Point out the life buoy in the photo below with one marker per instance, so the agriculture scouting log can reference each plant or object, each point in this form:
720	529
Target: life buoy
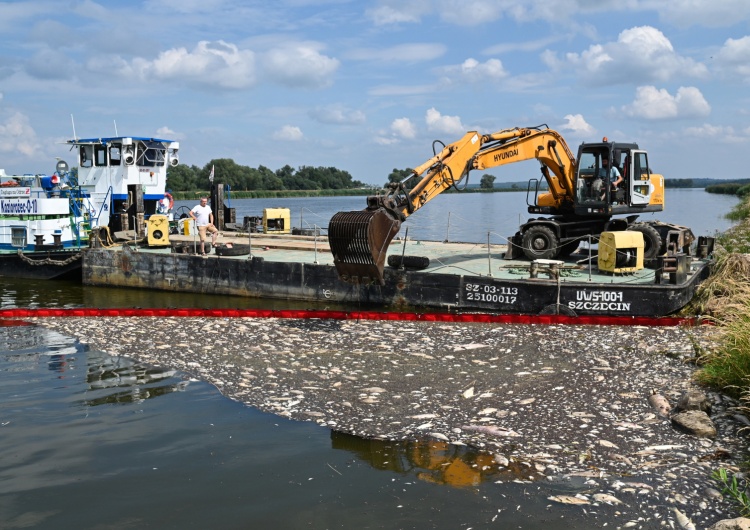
171	200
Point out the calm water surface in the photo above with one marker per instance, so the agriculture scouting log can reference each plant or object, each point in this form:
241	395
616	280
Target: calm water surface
94	441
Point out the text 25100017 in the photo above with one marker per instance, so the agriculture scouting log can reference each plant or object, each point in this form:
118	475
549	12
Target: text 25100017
491	293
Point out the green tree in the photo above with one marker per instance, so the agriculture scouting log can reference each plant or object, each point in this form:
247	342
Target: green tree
269	179
487	182
397	175
182	178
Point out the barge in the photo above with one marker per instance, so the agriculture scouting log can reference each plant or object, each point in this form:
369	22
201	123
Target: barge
421	275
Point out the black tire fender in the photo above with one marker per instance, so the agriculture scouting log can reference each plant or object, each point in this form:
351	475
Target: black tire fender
416	263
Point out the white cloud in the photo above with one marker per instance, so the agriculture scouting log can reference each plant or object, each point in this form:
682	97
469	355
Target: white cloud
169	134
337	115
404	128
654	104
735	56
436	122
707	13
18	136
473	71
707	130
395	12
300	65
288	133
577	124
400	129
403	53
209	64
641	54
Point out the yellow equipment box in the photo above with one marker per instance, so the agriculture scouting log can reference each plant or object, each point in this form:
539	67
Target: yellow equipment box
277	221
621	251
158	231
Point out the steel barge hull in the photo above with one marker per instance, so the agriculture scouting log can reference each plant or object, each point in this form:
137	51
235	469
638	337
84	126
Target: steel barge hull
461	277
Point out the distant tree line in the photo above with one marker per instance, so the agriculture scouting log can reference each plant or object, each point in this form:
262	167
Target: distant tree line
189	178
730	188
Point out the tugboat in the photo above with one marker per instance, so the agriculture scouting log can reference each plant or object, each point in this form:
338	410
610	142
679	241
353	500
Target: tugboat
47	221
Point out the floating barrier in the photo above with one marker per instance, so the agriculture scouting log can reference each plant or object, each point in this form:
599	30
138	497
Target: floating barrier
350	315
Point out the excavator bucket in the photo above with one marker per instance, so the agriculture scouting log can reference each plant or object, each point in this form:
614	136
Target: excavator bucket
359	244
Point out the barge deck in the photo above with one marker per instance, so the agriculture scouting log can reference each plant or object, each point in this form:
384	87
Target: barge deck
459	277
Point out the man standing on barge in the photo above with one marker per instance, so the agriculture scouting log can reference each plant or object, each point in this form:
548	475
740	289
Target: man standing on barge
204	220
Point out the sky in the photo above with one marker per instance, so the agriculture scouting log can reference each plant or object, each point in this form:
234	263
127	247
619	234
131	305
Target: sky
367	87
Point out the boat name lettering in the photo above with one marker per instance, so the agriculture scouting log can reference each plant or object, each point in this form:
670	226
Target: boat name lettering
505	155
491	293
18	207
599	296
600	306
599	301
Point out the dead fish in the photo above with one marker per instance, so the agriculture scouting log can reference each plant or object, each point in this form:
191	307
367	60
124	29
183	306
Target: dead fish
609	499
663	447
683	520
605	443
568	499
660	404
488	429
469	392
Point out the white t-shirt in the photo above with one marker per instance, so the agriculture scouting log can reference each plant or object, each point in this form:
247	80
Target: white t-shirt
201	214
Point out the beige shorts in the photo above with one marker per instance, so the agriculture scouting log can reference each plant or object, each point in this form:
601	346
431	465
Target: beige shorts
211	229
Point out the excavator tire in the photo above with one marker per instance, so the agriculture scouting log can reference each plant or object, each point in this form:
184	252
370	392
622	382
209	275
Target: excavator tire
540	242
652	243
415	263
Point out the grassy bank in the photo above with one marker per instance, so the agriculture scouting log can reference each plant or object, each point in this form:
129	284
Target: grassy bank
725	299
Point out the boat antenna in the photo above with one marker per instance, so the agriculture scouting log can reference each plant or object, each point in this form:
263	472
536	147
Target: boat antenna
115	122
74	127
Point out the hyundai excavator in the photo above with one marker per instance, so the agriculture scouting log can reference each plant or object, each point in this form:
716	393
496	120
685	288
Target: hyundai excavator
578	201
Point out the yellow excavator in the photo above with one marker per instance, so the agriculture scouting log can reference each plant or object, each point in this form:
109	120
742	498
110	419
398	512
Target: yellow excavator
579	199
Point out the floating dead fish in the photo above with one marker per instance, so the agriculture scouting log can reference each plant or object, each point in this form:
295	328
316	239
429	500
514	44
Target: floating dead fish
683	520
659	404
488	429
605	443
609	499
569	499
469	392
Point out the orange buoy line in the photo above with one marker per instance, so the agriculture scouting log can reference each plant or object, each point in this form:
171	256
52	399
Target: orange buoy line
353	315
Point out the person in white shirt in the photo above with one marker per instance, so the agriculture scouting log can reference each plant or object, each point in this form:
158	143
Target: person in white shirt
204	220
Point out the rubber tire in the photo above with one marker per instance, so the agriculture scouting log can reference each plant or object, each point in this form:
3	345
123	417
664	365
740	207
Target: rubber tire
237	249
416	263
652	243
540	242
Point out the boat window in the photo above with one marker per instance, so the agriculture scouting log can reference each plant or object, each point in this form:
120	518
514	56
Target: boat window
115	155
18	236
100	155
151	154
86	154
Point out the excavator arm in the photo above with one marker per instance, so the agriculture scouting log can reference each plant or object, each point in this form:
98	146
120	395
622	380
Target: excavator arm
359	240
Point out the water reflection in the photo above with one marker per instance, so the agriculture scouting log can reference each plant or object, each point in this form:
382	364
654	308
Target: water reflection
433	461
116	379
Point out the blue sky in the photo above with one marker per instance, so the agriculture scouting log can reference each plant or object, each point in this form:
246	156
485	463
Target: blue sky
368	86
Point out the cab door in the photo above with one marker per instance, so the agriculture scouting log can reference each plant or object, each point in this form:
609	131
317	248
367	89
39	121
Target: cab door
638	175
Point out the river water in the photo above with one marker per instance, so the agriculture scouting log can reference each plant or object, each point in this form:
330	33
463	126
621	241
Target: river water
95	441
